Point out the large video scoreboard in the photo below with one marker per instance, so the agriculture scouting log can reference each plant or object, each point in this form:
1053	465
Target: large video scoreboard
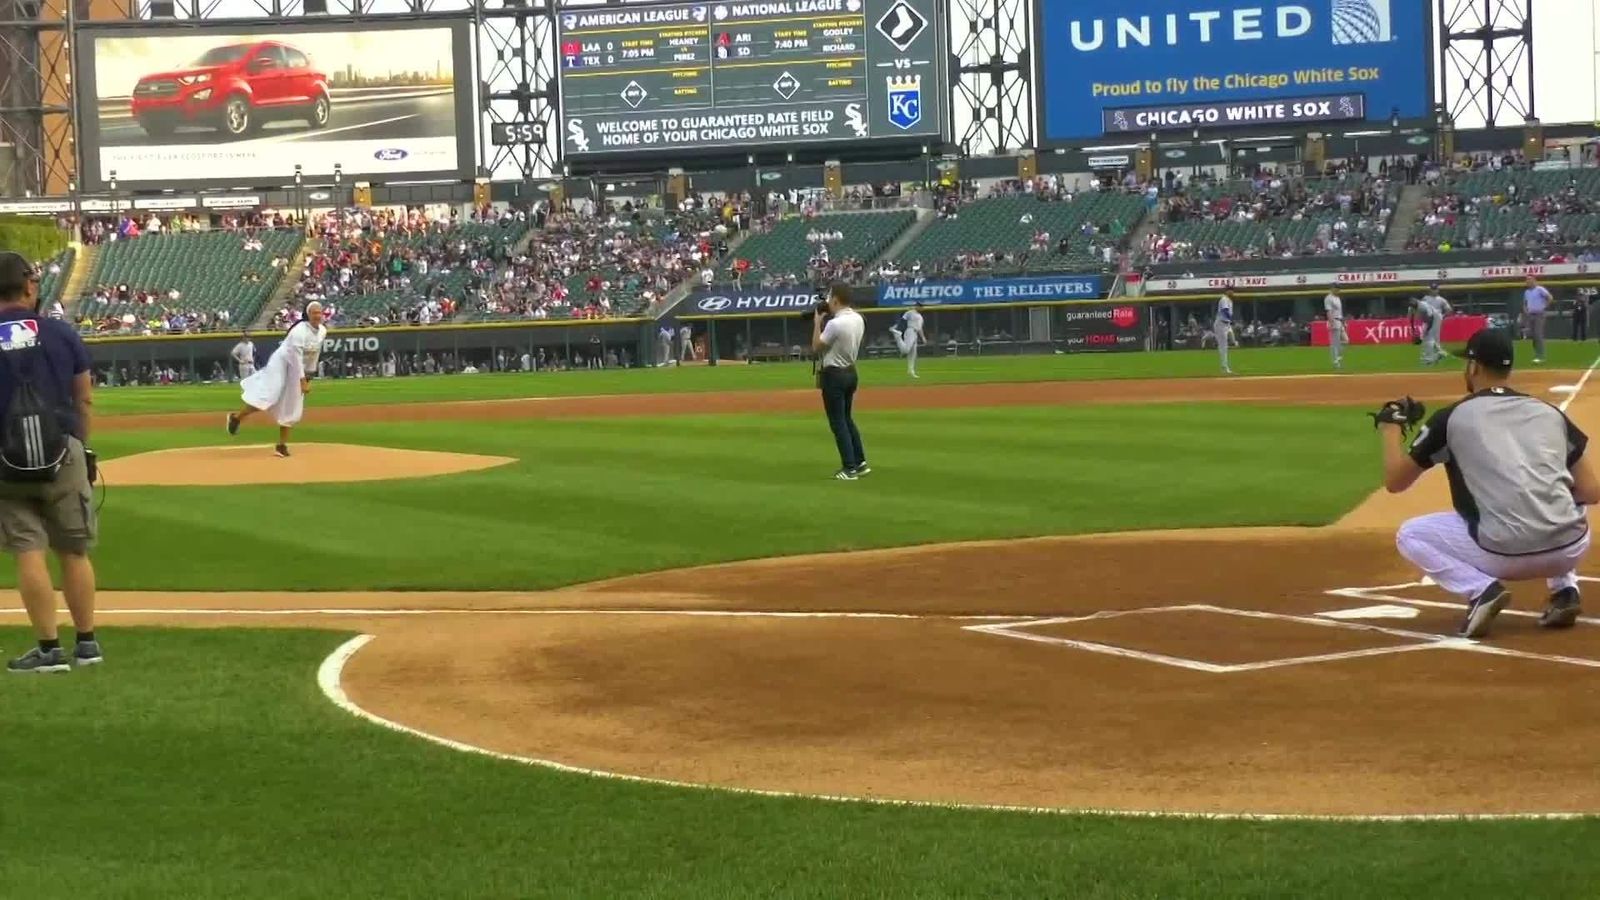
758	75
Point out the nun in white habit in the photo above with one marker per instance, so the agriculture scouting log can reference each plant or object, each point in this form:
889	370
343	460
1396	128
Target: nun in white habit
280	387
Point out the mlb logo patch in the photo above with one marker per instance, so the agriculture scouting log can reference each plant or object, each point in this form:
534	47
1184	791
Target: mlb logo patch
1362	22
19	335
905	101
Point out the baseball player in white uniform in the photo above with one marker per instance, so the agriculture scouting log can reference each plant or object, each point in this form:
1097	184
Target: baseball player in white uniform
908	335
244	356
1222	327
1333	306
1431	310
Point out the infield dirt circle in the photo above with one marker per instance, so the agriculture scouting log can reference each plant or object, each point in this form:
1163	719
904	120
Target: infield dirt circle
1263	671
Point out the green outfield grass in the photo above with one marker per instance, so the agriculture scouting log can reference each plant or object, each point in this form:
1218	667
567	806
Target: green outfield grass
778	376
206	764
597	498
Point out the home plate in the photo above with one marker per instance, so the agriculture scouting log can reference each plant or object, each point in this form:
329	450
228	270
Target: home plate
1372	612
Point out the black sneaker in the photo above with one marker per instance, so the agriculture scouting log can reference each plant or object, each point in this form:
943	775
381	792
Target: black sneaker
1565	605
1485	606
861	470
233	423
39	662
282	450
845	475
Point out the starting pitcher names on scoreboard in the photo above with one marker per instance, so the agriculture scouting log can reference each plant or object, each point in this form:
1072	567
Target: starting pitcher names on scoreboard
731	73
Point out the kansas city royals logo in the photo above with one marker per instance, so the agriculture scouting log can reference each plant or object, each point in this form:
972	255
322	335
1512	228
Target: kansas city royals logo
905	101
19	335
1362	22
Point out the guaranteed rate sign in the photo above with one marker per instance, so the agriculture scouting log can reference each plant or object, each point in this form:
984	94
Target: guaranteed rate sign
1222	56
750	75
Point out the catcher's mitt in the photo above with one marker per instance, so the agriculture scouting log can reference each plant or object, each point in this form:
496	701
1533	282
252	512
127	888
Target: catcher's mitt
1405	412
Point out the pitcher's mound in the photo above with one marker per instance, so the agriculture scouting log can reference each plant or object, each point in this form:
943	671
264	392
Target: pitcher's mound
257	464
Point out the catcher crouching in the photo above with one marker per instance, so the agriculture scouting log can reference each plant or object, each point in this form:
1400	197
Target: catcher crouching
1519	482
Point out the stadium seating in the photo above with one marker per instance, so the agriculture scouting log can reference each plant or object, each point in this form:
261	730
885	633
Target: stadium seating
1296	217
488	241
786	251
1007	225
55	272
211	270
1510	208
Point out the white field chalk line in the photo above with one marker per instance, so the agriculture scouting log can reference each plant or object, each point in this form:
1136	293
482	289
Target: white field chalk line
701	613
330	678
1578	388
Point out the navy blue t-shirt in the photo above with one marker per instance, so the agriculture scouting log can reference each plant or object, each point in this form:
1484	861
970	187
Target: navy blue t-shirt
63	355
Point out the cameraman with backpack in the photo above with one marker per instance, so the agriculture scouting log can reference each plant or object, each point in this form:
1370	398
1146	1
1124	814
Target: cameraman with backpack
46	472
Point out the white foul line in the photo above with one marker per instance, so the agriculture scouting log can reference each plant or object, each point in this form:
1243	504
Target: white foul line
330	678
1581	382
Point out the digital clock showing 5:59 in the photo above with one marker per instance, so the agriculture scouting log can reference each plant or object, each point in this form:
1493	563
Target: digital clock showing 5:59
511	134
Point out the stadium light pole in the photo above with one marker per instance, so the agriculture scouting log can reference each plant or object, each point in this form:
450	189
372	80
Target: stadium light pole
338	195
115	206
299	195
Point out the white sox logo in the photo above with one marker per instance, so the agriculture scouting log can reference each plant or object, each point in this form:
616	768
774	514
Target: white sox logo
580	141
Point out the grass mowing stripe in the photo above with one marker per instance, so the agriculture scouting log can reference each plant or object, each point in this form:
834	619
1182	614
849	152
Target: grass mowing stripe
795	376
592	499
207	764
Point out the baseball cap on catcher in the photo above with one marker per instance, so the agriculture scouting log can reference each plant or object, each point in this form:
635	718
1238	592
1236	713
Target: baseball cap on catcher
1492	347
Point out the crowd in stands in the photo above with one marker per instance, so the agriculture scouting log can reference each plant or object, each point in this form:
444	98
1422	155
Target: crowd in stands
1272	215
1509	206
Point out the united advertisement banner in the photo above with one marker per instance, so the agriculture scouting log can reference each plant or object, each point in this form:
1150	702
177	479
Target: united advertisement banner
1281	63
246	106
1032	289
1456	330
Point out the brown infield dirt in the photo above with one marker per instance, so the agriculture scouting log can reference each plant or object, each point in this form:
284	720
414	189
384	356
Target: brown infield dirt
1188	705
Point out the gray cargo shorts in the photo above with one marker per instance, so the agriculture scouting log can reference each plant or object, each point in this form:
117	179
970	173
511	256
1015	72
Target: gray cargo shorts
57	515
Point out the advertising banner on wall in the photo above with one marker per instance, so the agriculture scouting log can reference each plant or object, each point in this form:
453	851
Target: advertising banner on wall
1456	330
1102	328
245	106
1284	63
1031	289
1463	275
732	302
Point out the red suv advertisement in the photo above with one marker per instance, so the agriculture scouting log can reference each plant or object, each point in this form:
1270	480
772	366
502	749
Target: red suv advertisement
233	90
166	107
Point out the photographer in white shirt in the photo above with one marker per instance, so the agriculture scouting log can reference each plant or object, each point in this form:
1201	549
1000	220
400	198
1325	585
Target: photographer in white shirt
836	332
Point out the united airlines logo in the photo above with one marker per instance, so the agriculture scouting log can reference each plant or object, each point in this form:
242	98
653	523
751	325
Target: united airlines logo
905	101
1362	22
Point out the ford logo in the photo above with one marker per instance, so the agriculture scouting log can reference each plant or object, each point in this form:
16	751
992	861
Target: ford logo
715	304
390	154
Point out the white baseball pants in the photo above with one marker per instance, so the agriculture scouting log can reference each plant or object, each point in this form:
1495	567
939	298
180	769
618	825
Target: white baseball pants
1440	546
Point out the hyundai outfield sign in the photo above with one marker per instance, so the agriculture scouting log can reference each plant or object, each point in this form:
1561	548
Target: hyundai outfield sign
713	302
1034	289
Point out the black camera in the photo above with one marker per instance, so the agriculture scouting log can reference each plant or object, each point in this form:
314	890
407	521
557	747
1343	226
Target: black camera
820	308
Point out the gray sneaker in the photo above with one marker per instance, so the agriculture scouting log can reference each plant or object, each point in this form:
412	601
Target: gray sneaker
40	662
87	653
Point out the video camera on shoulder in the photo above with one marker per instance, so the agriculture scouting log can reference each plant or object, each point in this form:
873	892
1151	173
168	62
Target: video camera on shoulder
819	308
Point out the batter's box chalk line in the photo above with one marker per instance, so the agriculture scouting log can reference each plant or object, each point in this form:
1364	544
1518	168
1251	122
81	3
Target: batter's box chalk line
1417	640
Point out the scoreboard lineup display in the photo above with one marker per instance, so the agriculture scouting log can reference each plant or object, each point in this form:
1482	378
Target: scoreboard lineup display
759	74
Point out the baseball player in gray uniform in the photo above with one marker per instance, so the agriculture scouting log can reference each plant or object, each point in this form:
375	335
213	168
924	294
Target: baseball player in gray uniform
244	356
1222	327
907	335
1519	481
1337	336
1431	310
